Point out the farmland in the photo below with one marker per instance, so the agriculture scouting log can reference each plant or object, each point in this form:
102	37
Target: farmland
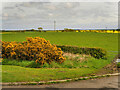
108	41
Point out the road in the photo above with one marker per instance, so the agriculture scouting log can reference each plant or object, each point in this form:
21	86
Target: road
106	82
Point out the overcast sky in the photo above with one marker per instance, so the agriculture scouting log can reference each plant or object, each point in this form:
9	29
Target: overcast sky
77	15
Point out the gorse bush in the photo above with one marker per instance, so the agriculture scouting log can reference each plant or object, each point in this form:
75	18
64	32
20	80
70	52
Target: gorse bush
94	52
37	49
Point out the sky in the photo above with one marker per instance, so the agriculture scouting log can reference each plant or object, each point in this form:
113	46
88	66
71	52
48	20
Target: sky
75	15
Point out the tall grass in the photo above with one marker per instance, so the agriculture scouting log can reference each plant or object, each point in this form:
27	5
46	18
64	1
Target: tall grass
90	63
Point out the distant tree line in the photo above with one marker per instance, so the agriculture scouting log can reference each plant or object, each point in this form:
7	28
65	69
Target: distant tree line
40	29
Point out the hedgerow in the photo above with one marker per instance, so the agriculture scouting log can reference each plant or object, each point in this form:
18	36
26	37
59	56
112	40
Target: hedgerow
37	49
95	52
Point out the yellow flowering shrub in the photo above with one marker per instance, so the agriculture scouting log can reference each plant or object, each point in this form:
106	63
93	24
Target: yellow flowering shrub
37	49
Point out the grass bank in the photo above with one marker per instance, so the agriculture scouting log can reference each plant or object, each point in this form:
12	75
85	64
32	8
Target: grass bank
68	70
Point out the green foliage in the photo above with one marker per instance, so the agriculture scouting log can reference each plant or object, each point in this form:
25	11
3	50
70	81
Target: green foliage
95	52
118	65
22	63
32	29
40	29
54	65
69	64
45	65
33	65
90	63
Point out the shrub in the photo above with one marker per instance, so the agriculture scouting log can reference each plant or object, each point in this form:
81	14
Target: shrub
36	49
54	65
95	52
118	65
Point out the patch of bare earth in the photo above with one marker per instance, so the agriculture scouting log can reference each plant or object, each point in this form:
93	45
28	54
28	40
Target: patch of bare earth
78	57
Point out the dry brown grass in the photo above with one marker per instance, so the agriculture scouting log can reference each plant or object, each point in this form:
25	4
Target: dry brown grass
78	57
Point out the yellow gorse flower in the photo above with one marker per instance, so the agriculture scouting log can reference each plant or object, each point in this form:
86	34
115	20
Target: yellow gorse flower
37	49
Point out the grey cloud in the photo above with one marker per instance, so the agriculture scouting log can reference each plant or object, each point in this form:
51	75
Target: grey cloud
66	14
8	7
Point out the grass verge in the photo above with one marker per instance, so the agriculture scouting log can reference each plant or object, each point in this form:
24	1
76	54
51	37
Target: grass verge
22	74
68	70
90	62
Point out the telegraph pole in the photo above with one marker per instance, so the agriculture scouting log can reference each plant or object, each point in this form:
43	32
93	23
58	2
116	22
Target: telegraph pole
106	28
54	25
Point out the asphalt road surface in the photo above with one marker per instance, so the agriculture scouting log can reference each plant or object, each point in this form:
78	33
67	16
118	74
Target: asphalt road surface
106	82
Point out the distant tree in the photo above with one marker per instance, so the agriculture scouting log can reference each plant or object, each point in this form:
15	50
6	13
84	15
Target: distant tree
40	29
3	30
118	30
32	29
69	30
66	29
62	30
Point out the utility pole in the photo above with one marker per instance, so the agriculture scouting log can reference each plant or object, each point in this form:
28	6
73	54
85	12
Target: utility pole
106	28
54	25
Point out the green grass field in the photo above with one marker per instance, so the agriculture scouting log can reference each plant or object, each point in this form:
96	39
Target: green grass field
16	73
107	41
21	74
